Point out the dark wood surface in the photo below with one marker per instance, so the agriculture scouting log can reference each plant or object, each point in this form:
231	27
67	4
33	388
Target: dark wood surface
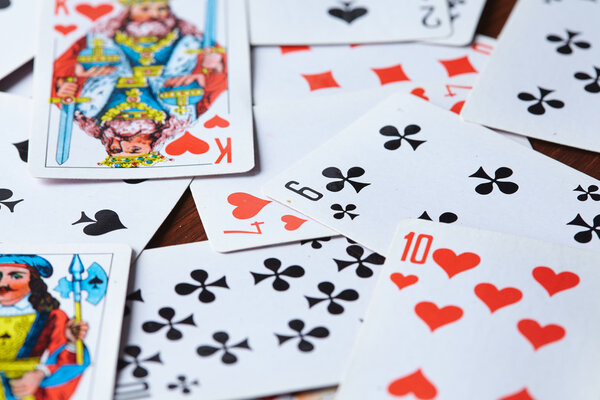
184	225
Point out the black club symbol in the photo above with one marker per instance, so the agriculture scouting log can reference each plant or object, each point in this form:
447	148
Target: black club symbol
201	276
589	193
320	332
183	385
394	144
538	108
315	243
341	211
488	187
327	288
357	253
586	235
6	194
167	313
446	218
131	355
336	173
222	338
133	296
279	284
594	86
566	43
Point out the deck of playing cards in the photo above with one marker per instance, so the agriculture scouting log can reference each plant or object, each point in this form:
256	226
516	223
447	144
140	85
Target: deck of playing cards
379	226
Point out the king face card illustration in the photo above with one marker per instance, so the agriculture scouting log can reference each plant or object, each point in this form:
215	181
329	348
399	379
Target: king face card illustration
142	89
60	319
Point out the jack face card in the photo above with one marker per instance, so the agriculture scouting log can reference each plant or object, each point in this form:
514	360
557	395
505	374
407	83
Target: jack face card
17	27
142	89
543	80
84	212
339	22
60	319
408	159
296	72
467	314
273	320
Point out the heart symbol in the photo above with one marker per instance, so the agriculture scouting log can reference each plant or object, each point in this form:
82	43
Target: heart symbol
419	92
415	383
216	121
522	395
65	29
291	222
105	221
347	14
436	317
453	264
94	12
187	142
554	283
403	281
247	206
496	299
539	335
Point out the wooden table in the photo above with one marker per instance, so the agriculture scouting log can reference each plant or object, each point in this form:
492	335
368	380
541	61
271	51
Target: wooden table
184	225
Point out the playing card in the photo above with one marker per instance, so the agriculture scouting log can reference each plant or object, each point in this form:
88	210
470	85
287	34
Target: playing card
39	210
407	158
142	89
18	25
295	72
464	18
338	22
543	78
273	320
60	318
467	314
237	216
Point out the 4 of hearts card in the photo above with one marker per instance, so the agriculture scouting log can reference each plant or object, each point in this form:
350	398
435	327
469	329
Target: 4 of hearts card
60	318
37	210
461	313
407	157
243	325
142	89
543	79
339	22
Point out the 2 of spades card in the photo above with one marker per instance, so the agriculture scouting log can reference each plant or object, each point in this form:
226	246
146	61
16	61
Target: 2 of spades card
17	27
296	72
346	22
243	325
453	304
45	210
406	157
129	90
61	308
543	80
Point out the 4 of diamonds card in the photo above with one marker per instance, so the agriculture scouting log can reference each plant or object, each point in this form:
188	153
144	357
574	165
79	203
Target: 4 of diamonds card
142	89
461	313
60	319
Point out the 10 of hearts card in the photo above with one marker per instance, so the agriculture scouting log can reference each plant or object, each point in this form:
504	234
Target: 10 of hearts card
125	89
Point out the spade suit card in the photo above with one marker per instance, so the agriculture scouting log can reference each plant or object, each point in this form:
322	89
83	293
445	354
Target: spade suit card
468	314
45	210
17	27
346	22
543	80
407	158
296	72
236	215
464	18
142	89
60	319
274	320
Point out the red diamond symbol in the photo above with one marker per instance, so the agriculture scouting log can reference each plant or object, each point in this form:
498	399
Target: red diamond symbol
320	81
292	49
391	74
458	66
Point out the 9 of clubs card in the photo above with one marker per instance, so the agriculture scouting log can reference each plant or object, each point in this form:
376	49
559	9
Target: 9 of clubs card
142	89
